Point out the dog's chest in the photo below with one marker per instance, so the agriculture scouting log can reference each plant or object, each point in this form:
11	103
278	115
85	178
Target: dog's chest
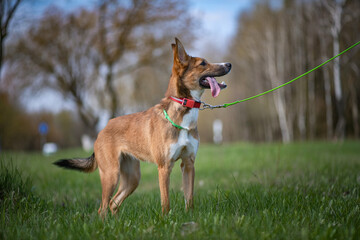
186	145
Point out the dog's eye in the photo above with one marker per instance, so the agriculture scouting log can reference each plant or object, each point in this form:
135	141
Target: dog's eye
203	63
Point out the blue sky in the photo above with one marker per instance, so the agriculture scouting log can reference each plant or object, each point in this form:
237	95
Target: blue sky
217	18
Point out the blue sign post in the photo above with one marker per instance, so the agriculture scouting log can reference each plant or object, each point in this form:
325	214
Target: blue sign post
43	130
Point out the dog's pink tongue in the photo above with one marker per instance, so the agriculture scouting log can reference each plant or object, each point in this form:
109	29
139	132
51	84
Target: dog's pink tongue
214	86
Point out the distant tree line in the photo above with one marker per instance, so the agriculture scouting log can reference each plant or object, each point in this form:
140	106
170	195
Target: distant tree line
19	129
107	59
114	58
110	58
274	45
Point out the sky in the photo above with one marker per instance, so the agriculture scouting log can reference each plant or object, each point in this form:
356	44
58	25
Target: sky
217	18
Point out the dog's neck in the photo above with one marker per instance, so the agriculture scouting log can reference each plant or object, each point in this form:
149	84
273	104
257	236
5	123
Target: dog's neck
177	89
196	94
176	111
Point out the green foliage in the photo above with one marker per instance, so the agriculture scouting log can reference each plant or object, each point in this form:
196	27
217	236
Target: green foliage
242	191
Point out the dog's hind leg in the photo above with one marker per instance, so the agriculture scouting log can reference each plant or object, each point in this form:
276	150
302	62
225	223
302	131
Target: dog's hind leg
109	175
129	180
109	181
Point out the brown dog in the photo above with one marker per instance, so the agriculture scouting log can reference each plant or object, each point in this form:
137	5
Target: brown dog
153	136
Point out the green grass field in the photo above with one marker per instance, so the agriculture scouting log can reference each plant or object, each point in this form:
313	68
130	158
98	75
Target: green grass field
242	191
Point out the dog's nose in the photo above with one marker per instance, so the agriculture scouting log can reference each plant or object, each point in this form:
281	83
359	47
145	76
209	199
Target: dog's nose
228	65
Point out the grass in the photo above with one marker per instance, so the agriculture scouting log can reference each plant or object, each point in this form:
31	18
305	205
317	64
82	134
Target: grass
242	191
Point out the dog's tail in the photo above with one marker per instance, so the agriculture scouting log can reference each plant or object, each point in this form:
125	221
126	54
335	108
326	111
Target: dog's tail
81	164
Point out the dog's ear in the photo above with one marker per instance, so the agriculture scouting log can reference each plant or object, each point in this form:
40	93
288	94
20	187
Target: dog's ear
179	52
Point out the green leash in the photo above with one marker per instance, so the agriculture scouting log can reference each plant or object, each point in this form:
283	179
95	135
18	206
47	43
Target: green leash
208	106
172	122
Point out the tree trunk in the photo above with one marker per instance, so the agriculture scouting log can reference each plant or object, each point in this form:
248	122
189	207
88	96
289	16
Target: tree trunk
328	104
355	112
354	103
340	125
311	106
112	91
1	54
335	31
280	108
327	91
7	11
279	97
87	118
299	47
302	110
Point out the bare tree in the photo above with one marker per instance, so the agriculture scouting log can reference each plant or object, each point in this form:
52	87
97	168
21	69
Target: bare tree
7	11
275	73
274	45
57	53
328	100
335	9
93	56
354	96
134	36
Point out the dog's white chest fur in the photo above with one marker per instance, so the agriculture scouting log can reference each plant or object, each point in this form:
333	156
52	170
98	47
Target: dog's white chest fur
186	144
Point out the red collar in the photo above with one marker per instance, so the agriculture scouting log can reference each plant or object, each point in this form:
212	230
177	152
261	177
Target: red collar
186	102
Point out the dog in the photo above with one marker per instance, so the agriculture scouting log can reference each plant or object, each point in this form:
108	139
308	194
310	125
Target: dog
154	135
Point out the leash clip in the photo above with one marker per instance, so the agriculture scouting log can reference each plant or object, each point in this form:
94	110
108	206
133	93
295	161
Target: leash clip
209	106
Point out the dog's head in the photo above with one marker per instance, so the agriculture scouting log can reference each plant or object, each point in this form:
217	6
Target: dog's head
195	74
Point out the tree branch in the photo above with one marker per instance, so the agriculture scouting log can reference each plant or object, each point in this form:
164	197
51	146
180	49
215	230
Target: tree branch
8	18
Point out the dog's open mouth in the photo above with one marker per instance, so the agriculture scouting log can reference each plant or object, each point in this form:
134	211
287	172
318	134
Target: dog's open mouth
215	87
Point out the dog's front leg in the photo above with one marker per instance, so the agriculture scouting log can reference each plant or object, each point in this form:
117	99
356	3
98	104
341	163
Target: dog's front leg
188	175
164	182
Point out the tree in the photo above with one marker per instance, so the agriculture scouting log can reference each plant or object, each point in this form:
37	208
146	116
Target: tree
58	53
7	11
273	45
275	40
89	55
134	36
335	9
